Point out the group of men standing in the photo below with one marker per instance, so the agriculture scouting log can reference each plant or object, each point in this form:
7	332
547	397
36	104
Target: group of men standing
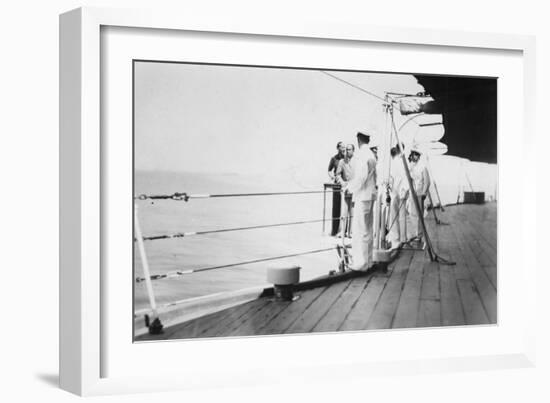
355	172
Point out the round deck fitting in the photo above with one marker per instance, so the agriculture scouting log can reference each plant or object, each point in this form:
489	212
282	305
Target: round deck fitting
283	279
382	255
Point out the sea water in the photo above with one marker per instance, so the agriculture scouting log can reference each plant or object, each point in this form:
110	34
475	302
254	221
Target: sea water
160	217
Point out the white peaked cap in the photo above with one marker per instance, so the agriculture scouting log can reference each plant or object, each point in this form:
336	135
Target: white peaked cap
373	136
366	132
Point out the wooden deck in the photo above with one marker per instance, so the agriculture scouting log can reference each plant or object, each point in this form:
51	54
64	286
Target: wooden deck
413	293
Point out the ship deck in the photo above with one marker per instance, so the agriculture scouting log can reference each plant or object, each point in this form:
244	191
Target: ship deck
414	292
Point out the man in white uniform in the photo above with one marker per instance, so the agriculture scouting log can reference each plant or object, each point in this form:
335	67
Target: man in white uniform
421	181
399	194
363	188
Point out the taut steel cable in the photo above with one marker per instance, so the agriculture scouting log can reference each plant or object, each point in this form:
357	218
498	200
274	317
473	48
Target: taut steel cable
178	273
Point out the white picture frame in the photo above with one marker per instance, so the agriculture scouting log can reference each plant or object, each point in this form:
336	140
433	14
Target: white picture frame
82	176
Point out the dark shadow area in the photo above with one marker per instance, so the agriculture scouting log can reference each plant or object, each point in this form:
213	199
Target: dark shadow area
49	379
469	108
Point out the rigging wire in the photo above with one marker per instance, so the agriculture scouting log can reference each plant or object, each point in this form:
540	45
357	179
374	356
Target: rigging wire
247	262
353	85
215	231
357	87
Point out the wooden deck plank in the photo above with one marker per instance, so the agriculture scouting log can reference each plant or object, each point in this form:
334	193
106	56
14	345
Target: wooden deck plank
309	318
232	321
462	251
335	316
384	311
259	319
407	309
197	328
291	313
487	247
487	233
484	286
360	313
471	302
485	239
485	252
487	294
452	313
429	310
477	256
492	274
488	263
480	254
489	255
482	220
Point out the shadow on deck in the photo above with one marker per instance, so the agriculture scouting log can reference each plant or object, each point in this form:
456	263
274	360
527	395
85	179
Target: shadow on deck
413	293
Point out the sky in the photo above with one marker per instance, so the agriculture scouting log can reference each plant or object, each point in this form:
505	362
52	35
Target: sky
272	121
215	119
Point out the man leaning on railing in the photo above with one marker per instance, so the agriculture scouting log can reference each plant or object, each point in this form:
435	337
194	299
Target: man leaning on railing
344	173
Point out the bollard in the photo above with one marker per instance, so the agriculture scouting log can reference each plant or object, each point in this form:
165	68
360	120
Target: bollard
283	279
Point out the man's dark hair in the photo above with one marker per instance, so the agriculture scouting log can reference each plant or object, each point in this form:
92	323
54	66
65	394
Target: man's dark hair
413	152
338	144
363	138
397	149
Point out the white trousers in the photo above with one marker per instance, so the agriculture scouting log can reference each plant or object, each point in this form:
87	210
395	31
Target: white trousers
362	239
347	211
398	220
415	218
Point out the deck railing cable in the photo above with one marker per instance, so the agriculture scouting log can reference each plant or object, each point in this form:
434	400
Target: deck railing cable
252	227
178	273
185	196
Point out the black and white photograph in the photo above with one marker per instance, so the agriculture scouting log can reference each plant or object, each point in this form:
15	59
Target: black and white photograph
273	200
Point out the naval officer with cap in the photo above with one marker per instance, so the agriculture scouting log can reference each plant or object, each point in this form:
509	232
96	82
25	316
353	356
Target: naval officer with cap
363	188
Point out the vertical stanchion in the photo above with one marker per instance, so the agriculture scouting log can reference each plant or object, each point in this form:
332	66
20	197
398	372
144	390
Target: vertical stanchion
324	205
384	162
343	230
155	327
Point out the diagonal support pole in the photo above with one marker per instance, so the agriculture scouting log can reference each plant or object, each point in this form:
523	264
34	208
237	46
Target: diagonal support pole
429	247
155	326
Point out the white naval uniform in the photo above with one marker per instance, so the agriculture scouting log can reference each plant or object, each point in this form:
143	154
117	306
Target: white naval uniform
398	211
363	188
421	181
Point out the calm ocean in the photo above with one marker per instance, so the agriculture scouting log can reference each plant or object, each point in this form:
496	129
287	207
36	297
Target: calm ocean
167	217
